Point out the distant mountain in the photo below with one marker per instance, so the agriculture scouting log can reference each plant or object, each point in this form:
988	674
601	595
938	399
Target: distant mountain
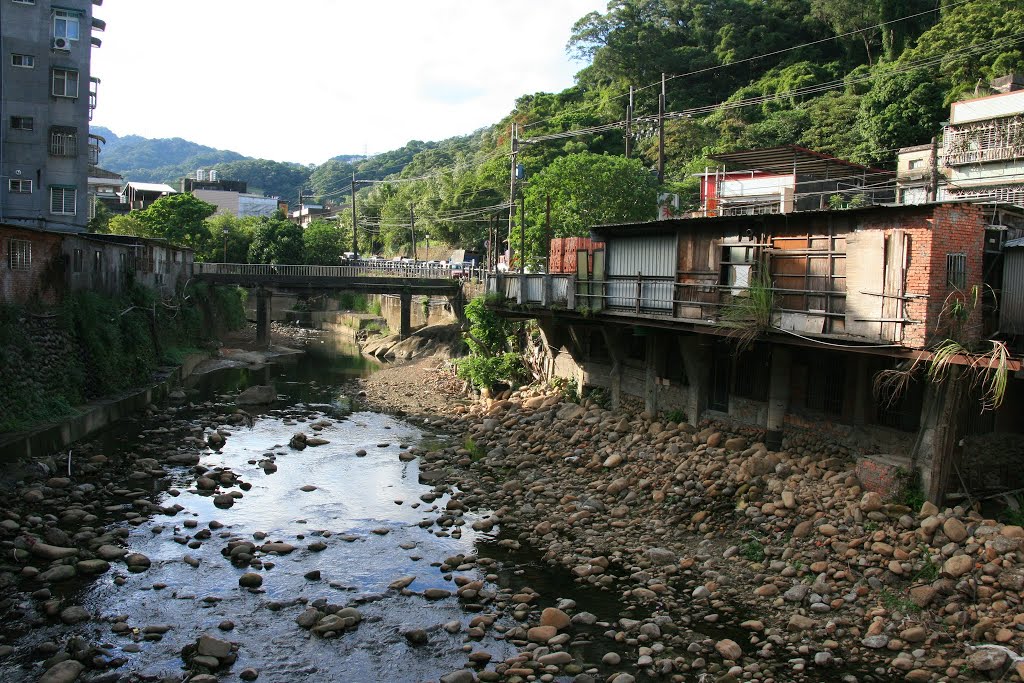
157	161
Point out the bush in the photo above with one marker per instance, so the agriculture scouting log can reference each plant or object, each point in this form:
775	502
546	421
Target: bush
92	345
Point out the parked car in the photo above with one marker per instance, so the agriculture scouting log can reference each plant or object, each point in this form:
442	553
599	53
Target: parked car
459	271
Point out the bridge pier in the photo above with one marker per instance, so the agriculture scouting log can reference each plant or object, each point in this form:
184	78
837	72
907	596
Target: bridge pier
263	309
458	304
405	328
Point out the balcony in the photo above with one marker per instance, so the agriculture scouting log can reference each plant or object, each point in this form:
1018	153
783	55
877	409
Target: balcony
986	141
94	86
652	298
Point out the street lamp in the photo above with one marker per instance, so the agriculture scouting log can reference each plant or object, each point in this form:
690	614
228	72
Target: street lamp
226	231
427	236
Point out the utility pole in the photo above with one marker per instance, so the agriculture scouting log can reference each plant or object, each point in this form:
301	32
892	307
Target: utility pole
629	125
412	224
932	193
547	236
661	132
512	190
355	239
522	232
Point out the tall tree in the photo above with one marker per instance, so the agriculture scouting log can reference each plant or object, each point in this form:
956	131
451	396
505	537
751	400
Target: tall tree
275	239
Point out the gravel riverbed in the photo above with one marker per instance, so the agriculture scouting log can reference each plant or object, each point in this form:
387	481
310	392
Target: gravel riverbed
515	538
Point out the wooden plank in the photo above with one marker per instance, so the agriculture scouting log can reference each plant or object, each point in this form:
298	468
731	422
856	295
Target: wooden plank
865	267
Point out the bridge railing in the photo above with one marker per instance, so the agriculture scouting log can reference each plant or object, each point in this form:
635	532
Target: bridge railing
382	269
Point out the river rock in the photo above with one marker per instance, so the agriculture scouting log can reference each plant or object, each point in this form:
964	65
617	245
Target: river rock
957	566
61	572
52	552
213	647
63	672
257	395
74	615
954	530
250	580
110	552
987	659
137	562
729	649
552	616
541	634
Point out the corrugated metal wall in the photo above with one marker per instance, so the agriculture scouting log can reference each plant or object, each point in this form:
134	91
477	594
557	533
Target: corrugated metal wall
1011	308
652	256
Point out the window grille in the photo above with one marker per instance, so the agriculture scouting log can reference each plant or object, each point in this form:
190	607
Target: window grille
956	270
63	200
19	254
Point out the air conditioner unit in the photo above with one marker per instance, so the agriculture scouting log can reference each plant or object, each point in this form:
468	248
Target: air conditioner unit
60	43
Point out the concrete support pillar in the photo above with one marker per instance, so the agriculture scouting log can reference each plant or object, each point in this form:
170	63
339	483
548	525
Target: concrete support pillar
651	375
862	390
617	352
458	304
697	363
405	327
778	396
264	298
936	450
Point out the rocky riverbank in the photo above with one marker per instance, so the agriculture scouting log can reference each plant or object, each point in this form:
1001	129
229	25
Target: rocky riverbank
751	564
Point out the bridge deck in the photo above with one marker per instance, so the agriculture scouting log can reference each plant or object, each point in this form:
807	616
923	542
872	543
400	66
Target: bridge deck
392	279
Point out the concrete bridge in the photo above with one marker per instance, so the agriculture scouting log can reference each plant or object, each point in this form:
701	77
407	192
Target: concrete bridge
401	279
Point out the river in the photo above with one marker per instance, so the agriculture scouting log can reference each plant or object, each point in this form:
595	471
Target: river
367	522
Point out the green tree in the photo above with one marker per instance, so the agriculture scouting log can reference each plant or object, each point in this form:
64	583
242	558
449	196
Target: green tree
901	109
586	190
323	243
231	234
178	218
275	239
128	224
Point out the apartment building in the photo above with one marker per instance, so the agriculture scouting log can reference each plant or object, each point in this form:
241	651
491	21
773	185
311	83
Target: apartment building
48	95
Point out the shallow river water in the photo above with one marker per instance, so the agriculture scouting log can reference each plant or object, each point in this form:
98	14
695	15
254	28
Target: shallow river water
367	510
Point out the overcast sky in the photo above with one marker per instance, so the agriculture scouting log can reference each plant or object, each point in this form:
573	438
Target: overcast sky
310	79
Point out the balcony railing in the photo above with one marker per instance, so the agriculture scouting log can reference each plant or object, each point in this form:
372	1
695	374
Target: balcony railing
648	296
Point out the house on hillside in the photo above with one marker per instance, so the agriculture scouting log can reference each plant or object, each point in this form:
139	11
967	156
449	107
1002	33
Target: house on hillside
138	196
981	156
787	179
105	188
832	299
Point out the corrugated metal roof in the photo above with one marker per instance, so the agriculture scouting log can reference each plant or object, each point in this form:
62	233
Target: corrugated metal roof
152	187
1019	242
783	159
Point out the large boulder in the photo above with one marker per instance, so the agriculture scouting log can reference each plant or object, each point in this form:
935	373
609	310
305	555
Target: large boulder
261	394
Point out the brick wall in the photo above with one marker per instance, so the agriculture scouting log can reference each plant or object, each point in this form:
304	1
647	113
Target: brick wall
43	280
935	232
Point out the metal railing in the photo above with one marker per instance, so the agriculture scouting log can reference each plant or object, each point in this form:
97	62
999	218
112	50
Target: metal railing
365	269
648	295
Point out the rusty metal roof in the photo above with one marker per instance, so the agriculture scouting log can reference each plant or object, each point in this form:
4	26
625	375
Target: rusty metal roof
785	159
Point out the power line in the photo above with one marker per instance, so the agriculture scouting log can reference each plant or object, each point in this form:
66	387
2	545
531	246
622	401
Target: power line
754	58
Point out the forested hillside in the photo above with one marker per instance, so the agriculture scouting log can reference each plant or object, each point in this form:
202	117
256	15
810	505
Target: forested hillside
858	80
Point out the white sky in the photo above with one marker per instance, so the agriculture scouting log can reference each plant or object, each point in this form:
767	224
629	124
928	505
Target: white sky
310	79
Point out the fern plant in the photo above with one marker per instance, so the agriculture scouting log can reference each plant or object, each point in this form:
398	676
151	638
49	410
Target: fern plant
749	314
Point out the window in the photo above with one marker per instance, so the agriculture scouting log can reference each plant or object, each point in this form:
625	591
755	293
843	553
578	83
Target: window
19	254
97	261
65	24
63	200
63	141
21	122
916	163
956	270
65	83
24	61
736	266
19	186
24	2
76	260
